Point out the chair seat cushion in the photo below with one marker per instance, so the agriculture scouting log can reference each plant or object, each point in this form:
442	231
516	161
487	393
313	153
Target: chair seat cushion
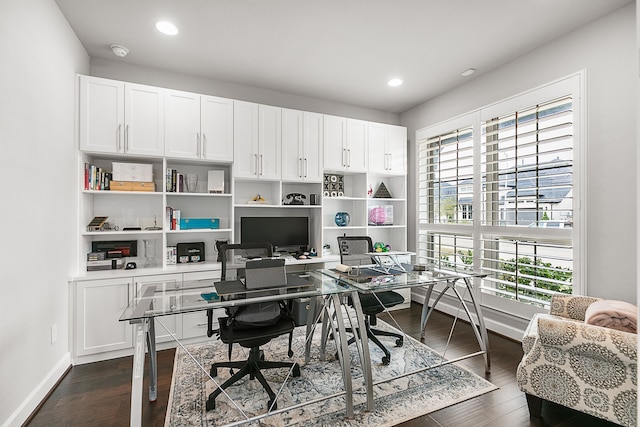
254	337
371	305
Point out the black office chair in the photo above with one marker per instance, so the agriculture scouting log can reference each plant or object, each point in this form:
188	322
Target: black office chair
352	253
234	257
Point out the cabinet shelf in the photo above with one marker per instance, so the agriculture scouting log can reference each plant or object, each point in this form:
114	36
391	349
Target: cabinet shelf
200	231
348	227
126	193
345	198
120	233
172	194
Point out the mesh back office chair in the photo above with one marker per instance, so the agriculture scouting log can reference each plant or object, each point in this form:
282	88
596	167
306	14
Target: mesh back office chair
352	252
234	257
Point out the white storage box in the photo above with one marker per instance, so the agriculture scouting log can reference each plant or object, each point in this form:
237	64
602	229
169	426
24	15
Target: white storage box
138	172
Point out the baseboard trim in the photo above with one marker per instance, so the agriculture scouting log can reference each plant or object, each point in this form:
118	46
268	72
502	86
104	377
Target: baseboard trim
39	394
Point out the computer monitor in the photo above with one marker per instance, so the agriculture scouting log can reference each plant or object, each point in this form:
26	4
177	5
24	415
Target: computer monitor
284	233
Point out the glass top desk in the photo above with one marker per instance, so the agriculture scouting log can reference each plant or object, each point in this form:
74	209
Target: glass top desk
164	298
368	279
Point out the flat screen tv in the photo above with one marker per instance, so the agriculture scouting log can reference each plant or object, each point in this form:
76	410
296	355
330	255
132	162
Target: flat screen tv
284	233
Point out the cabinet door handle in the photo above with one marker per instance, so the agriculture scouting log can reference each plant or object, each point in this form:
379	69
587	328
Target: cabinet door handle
261	164
390	161
300	167
119	138
344	157
203	144
126	138
198	145
349	157
255	163
306	169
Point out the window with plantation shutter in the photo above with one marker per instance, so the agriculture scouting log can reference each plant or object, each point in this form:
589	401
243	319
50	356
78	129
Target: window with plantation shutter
497	191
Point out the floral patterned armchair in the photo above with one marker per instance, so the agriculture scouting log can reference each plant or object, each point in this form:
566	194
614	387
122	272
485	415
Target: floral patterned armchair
588	368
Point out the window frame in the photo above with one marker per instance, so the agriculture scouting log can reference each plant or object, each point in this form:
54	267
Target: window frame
574	86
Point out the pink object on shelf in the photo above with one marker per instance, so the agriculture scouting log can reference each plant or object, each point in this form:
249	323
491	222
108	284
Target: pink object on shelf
377	215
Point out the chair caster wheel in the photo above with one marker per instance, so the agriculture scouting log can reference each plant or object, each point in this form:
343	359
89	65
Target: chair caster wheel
290	353
211	404
269	403
386	360
296	370
399	342
213	372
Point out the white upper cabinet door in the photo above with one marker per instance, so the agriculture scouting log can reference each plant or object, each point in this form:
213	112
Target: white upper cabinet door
397	149
357	153
245	140
335	143
270	142
182	125
292	145
313	140
216	129
387	149
144	120
101	115
377	148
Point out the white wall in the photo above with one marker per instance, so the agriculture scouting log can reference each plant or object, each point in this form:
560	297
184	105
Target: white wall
606	49
40	56
119	69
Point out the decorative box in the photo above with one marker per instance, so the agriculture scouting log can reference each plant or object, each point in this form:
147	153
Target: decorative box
199	223
138	172
190	252
132	186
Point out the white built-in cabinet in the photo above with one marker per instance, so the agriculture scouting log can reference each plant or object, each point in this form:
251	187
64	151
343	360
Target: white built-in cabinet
345	144
198	126
119	117
98	306
387	148
257	141
261	149
302	142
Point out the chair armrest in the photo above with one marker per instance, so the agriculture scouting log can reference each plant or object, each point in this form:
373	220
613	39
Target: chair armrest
580	338
570	306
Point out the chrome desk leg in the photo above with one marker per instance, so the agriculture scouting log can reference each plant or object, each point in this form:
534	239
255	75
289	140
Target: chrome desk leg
343	354
310	320
363	349
483	340
153	361
138	372
426	311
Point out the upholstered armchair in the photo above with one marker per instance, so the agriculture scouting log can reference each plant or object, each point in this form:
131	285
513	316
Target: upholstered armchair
589	368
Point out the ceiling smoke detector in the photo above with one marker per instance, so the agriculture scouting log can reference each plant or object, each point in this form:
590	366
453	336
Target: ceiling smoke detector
120	51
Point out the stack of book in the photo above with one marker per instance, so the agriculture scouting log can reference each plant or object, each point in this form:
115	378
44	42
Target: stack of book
173	218
175	181
96	178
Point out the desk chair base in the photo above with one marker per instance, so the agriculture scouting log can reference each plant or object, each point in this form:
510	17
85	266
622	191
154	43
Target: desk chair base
251	367
373	335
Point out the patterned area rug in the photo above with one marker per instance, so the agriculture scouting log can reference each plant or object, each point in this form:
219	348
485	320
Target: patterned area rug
395	401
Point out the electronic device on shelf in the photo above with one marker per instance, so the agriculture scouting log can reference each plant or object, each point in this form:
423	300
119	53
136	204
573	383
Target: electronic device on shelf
284	233
294	199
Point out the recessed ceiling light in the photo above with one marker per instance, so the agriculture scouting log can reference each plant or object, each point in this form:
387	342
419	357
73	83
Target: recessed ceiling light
167	28
395	82
468	72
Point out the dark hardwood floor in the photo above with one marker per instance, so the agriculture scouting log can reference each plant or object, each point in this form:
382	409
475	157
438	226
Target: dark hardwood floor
98	394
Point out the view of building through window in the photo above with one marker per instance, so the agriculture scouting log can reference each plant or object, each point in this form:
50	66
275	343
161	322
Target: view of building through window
497	194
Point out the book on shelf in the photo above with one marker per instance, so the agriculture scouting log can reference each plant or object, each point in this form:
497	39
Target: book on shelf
172	218
175	181
96	178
